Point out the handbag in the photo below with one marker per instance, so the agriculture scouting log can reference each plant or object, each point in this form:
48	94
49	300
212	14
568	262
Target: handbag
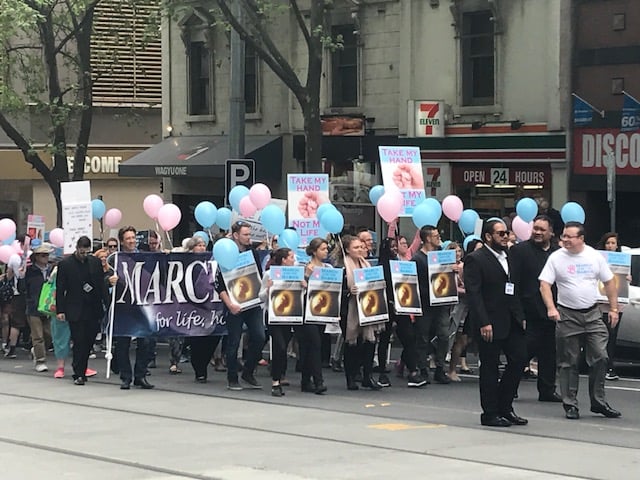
47	300
6	290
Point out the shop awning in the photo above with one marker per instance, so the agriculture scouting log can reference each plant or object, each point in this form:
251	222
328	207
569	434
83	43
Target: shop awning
203	156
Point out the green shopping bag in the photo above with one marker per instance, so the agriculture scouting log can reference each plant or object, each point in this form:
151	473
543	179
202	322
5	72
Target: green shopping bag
47	300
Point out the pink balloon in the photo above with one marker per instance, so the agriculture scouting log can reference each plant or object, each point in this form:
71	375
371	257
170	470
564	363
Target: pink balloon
112	218
151	205
5	253
169	216
247	208
56	237
390	205
7	228
260	195
452	207
521	228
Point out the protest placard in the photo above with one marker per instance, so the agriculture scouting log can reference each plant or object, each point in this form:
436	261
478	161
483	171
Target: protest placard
324	295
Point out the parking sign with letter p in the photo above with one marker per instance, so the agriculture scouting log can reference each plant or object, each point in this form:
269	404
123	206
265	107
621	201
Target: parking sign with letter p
239	172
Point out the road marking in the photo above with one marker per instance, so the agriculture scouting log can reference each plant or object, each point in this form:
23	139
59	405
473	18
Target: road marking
396	427
386	404
627	389
369	405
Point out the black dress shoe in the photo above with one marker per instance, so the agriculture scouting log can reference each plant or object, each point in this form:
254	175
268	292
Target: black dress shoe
553	397
351	384
320	388
307	387
125	385
572	413
606	410
515	419
494	421
143	383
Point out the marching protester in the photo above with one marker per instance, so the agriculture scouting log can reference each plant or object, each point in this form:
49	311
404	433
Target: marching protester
81	296
14	318
404	326
575	270
236	318
527	260
202	347
122	362
360	341
309	335
36	274
609	242
497	324
436	317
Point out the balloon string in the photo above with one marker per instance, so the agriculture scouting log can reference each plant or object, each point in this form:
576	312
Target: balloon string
169	239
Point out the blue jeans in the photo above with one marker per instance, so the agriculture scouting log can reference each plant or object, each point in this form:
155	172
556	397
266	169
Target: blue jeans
255	330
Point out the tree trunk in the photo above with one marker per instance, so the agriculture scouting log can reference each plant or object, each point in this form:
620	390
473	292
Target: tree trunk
313	138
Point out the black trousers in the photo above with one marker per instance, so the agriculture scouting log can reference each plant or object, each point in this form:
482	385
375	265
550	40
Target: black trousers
407	336
613	338
310	347
202	349
280	338
83	334
383	345
541	343
496	394
143	357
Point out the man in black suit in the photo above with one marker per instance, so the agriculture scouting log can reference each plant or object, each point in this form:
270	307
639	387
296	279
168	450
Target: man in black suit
497	323
81	296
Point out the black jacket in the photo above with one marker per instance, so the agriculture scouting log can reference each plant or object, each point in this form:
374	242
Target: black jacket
34	279
71	297
485	280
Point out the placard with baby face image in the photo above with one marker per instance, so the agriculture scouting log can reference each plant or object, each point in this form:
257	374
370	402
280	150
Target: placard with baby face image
406	293
442	278
372	295
324	294
620	265
243	281
286	295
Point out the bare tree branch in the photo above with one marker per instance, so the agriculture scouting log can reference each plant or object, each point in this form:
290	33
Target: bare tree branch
301	22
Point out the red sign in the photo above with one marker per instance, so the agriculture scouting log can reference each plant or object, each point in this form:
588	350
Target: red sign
510	175
592	147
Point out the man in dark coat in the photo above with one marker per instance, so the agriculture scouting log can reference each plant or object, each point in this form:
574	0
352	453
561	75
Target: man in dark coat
81	297
497	323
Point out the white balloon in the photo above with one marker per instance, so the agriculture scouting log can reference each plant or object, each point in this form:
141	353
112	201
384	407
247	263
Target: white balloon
15	261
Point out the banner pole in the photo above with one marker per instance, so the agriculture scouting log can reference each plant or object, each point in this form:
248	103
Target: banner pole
109	354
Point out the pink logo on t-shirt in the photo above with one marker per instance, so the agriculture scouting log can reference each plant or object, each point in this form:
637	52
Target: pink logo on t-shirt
571	269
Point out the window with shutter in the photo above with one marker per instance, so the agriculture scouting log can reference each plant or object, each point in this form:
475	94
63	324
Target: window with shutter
126	55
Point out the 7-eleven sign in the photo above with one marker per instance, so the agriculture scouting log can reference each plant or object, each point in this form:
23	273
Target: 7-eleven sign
429	117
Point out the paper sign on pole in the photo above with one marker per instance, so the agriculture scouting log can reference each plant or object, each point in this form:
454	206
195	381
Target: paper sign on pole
324	295
442	279
372	295
402	170
35	227
406	291
306	192
620	265
286	295
243	281
77	218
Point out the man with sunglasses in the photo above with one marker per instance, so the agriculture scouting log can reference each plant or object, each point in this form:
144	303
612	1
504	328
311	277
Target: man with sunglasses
576	269
81	297
497	321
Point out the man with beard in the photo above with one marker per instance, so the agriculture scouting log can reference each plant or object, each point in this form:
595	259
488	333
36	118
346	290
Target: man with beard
527	260
497	322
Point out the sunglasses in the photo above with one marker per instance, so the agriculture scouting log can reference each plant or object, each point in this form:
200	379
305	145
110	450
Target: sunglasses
112	246
502	233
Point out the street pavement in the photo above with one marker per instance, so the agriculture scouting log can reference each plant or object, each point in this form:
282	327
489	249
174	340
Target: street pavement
185	430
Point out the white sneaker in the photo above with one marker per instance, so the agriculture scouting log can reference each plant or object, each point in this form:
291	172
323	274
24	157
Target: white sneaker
41	367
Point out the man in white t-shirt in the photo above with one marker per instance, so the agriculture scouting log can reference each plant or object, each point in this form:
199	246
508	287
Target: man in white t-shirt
576	270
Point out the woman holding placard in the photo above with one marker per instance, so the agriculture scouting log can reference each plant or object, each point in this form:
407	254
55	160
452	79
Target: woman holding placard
360	341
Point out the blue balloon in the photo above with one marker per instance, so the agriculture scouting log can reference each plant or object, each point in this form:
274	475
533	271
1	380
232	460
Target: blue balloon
323	208
236	194
467	221
375	193
572	212
289	238
206	214
34	243
445	244
428	212
468	240
527	209
272	218
9	241
223	219
436	210
98	208
203	235
332	221
225	252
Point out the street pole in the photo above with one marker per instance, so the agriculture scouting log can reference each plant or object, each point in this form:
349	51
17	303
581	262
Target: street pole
237	104
611	189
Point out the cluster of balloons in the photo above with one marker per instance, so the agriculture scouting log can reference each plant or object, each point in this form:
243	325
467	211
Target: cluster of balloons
10	251
248	201
388	203
167	215
111	217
